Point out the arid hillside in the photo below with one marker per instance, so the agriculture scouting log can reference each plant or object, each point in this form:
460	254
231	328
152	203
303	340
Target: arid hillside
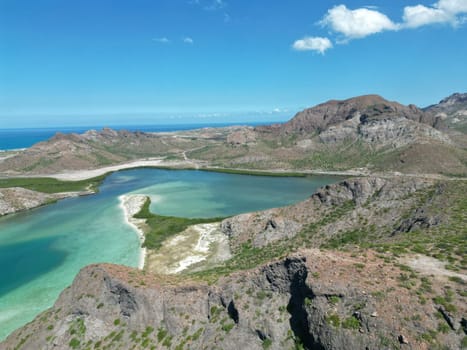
366	133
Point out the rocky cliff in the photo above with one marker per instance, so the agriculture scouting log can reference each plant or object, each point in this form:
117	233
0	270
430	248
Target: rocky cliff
381	202
297	302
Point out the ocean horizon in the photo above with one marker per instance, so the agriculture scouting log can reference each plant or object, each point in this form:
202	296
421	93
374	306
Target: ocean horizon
18	138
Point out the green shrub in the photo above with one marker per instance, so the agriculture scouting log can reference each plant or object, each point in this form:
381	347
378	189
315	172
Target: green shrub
351	323
267	343
333	320
74	343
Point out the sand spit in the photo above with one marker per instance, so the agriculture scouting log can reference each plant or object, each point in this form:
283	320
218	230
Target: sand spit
198	247
131	204
88	174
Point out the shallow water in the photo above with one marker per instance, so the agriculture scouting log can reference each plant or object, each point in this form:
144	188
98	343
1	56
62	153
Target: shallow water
42	250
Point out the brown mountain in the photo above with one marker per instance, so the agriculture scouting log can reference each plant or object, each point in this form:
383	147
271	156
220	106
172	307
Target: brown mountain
452	109
367	107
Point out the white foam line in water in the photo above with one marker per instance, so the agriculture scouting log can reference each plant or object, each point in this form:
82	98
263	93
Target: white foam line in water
131	204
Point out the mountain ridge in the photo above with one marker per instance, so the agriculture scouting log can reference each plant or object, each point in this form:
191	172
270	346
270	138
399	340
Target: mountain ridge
361	132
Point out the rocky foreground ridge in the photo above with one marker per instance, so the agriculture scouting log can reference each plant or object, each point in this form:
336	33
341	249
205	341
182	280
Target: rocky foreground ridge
337	271
294	302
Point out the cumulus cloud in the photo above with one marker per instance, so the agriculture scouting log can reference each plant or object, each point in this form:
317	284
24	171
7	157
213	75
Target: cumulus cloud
420	15
347	24
188	40
359	23
317	44
453	6
444	11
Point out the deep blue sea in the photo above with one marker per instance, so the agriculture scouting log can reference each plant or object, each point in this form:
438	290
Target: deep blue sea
23	138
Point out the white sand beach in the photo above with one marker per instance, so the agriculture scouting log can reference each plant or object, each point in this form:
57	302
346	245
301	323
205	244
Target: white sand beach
88	174
131	204
197	247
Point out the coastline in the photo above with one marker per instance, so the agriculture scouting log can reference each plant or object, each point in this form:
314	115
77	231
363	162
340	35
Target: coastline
130	205
88	174
203	244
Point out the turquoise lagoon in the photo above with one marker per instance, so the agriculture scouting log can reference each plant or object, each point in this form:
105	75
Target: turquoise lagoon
42	250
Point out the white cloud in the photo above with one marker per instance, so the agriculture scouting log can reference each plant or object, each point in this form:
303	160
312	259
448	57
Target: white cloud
162	40
419	15
359	23
188	40
453	6
444	11
317	44
215	5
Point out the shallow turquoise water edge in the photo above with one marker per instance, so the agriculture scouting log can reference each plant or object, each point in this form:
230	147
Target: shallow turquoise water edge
42	250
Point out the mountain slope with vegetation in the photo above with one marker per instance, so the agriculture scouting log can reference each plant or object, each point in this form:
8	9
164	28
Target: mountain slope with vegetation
365	132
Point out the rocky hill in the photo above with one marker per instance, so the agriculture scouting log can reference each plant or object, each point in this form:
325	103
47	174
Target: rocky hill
366	132
95	149
453	110
366	108
378	281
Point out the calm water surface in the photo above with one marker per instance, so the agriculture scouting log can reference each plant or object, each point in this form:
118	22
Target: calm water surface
42	250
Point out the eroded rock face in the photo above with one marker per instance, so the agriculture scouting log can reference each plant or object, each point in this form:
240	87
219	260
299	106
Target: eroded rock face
382	133
450	105
296	300
369	107
265	227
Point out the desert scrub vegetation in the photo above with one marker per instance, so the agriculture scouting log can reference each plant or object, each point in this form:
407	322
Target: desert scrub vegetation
161	227
446	241
51	185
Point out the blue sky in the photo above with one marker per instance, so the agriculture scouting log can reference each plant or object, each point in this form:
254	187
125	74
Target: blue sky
69	62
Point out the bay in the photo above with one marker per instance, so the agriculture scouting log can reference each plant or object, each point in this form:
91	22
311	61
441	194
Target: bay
42	250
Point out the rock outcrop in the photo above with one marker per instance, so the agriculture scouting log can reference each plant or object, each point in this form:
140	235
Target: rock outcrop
453	110
298	301
388	196
16	199
449	105
366	108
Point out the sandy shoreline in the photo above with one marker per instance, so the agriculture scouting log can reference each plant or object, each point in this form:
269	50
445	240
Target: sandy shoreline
198	246
131	204
88	174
